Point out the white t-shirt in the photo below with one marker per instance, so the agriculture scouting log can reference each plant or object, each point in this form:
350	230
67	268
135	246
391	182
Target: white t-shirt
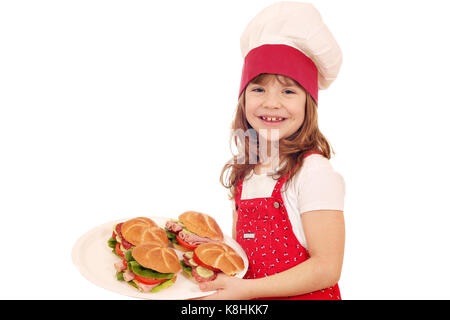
316	186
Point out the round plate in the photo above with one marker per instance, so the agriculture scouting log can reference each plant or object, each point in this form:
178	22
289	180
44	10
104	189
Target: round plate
95	261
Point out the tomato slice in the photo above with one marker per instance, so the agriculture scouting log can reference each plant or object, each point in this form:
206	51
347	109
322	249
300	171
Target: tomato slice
185	244
198	261
114	235
148	280
118	251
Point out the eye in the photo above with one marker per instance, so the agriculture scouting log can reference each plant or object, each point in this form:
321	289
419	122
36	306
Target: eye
258	90
289	91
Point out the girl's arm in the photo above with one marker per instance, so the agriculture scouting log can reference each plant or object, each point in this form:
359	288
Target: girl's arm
325	235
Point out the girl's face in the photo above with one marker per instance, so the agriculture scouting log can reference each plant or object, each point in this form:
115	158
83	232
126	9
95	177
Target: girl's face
274	106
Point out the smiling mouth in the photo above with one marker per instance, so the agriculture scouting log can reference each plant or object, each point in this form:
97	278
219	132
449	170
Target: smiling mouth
272	119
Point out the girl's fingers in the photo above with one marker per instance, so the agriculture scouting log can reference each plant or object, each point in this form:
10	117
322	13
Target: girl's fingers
218	283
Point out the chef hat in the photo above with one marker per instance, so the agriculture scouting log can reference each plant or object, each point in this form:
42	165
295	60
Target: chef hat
290	38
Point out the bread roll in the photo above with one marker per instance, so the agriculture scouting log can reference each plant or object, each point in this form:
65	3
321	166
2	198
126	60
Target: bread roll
220	256
144	230
157	258
201	224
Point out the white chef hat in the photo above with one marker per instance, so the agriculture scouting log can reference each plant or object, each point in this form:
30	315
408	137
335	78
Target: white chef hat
290	38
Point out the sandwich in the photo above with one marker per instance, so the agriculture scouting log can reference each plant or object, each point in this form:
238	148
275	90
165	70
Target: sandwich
209	259
134	232
149	268
192	229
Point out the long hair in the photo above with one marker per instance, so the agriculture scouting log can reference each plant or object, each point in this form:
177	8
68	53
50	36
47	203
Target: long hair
292	149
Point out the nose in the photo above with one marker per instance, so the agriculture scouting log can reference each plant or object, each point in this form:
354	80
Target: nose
272	101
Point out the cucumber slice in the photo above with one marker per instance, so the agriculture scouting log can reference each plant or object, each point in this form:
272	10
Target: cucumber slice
204	273
192	262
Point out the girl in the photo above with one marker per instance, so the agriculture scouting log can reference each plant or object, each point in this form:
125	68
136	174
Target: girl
287	218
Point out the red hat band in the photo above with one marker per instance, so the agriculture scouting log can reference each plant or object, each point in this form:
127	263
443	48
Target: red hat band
281	59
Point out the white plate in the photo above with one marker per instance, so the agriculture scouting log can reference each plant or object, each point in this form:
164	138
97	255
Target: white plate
95	261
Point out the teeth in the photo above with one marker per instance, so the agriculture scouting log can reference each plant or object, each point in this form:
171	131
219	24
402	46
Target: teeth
272	119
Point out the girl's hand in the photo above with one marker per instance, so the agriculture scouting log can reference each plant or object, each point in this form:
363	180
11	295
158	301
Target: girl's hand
228	288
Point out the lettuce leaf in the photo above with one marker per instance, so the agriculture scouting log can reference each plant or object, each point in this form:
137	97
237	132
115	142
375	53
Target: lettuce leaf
112	242
148	273
171	236
128	255
119	276
162	285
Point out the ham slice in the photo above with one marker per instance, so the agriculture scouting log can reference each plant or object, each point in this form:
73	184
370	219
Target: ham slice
173	226
128	275
119	266
193	239
186	261
144	287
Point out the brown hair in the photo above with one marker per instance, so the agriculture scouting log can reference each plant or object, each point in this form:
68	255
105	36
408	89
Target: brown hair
292	149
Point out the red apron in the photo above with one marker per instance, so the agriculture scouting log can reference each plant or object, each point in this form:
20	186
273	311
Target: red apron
264	231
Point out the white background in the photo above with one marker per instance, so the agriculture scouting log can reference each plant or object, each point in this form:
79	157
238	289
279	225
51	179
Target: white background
112	109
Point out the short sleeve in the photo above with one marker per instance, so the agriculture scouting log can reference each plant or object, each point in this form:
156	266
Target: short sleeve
321	189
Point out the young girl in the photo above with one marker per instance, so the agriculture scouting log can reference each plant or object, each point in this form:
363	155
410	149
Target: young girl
288	207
